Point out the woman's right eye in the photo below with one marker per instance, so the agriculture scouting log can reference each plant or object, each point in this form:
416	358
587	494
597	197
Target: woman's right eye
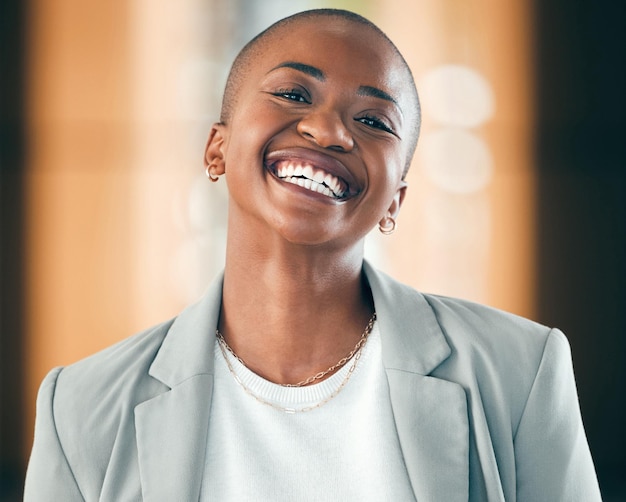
292	95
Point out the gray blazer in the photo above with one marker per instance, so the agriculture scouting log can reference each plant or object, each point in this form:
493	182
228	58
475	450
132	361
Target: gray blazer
485	406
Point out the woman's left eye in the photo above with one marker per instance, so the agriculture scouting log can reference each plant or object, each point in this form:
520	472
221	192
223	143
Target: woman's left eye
375	123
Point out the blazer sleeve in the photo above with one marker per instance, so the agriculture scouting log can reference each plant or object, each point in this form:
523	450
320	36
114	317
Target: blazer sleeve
49	476
553	461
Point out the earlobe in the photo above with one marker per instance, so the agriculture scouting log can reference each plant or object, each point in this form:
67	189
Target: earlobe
398	199
400	195
387	224
214	158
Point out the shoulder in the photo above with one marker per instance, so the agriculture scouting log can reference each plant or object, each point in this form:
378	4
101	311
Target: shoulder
497	356
86	411
467	323
112	382
92	400
456	331
479	347
120	366
487	336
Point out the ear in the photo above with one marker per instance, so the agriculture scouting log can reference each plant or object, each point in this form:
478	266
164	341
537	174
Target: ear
396	203
214	152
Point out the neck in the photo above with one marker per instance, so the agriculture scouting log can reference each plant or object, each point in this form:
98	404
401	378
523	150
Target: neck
290	311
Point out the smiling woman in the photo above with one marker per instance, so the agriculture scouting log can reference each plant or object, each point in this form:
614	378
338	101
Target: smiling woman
304	371
359	123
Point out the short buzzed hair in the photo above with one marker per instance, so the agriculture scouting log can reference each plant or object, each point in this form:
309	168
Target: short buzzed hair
252	49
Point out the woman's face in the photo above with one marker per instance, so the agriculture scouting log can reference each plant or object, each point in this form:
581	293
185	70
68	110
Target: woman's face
317	141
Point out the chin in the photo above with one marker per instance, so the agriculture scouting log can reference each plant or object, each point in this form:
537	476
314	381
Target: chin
316	236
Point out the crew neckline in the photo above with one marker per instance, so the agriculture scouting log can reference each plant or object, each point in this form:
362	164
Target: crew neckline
293	397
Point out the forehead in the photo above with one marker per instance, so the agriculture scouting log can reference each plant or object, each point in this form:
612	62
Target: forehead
311	33
337	46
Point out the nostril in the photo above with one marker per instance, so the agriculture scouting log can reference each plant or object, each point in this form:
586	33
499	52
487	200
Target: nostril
337	148
326	130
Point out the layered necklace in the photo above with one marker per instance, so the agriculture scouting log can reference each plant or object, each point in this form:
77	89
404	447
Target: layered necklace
354	355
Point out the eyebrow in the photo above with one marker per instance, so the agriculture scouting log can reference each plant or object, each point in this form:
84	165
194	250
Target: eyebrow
304	68
364	90
375	92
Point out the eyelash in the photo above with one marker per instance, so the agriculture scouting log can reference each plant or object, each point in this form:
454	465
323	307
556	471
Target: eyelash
375	122
290	94
298	96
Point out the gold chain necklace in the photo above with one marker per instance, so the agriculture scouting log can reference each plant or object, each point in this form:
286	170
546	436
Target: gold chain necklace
356	353
321	374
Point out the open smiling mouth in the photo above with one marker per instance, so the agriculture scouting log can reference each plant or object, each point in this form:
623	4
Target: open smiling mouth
310	177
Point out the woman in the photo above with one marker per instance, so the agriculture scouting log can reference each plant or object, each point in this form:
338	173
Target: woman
303	373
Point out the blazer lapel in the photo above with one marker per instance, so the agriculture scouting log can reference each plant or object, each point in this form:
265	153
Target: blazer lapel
172	427
430	414
431	420
171	441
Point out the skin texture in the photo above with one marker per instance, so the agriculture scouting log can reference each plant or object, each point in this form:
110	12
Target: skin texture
331	95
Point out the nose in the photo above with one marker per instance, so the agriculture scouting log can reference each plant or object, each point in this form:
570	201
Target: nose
326	129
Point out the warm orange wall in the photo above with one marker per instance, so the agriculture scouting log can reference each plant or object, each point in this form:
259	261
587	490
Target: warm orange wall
497	265
77	195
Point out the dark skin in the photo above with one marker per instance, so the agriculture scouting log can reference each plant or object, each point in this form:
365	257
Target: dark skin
330	98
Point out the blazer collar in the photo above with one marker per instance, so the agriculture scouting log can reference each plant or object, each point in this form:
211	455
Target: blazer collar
430	414
188	347
412	340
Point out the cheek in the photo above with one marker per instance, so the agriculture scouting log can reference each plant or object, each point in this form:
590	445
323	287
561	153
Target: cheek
385	182
253	130
244	147
387	165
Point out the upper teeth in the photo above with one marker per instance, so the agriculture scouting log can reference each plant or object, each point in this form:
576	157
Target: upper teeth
311	178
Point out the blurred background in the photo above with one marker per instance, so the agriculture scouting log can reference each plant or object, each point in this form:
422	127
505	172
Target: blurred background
108	224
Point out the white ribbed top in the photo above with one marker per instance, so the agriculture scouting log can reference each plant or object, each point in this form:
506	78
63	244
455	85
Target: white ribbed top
347	449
